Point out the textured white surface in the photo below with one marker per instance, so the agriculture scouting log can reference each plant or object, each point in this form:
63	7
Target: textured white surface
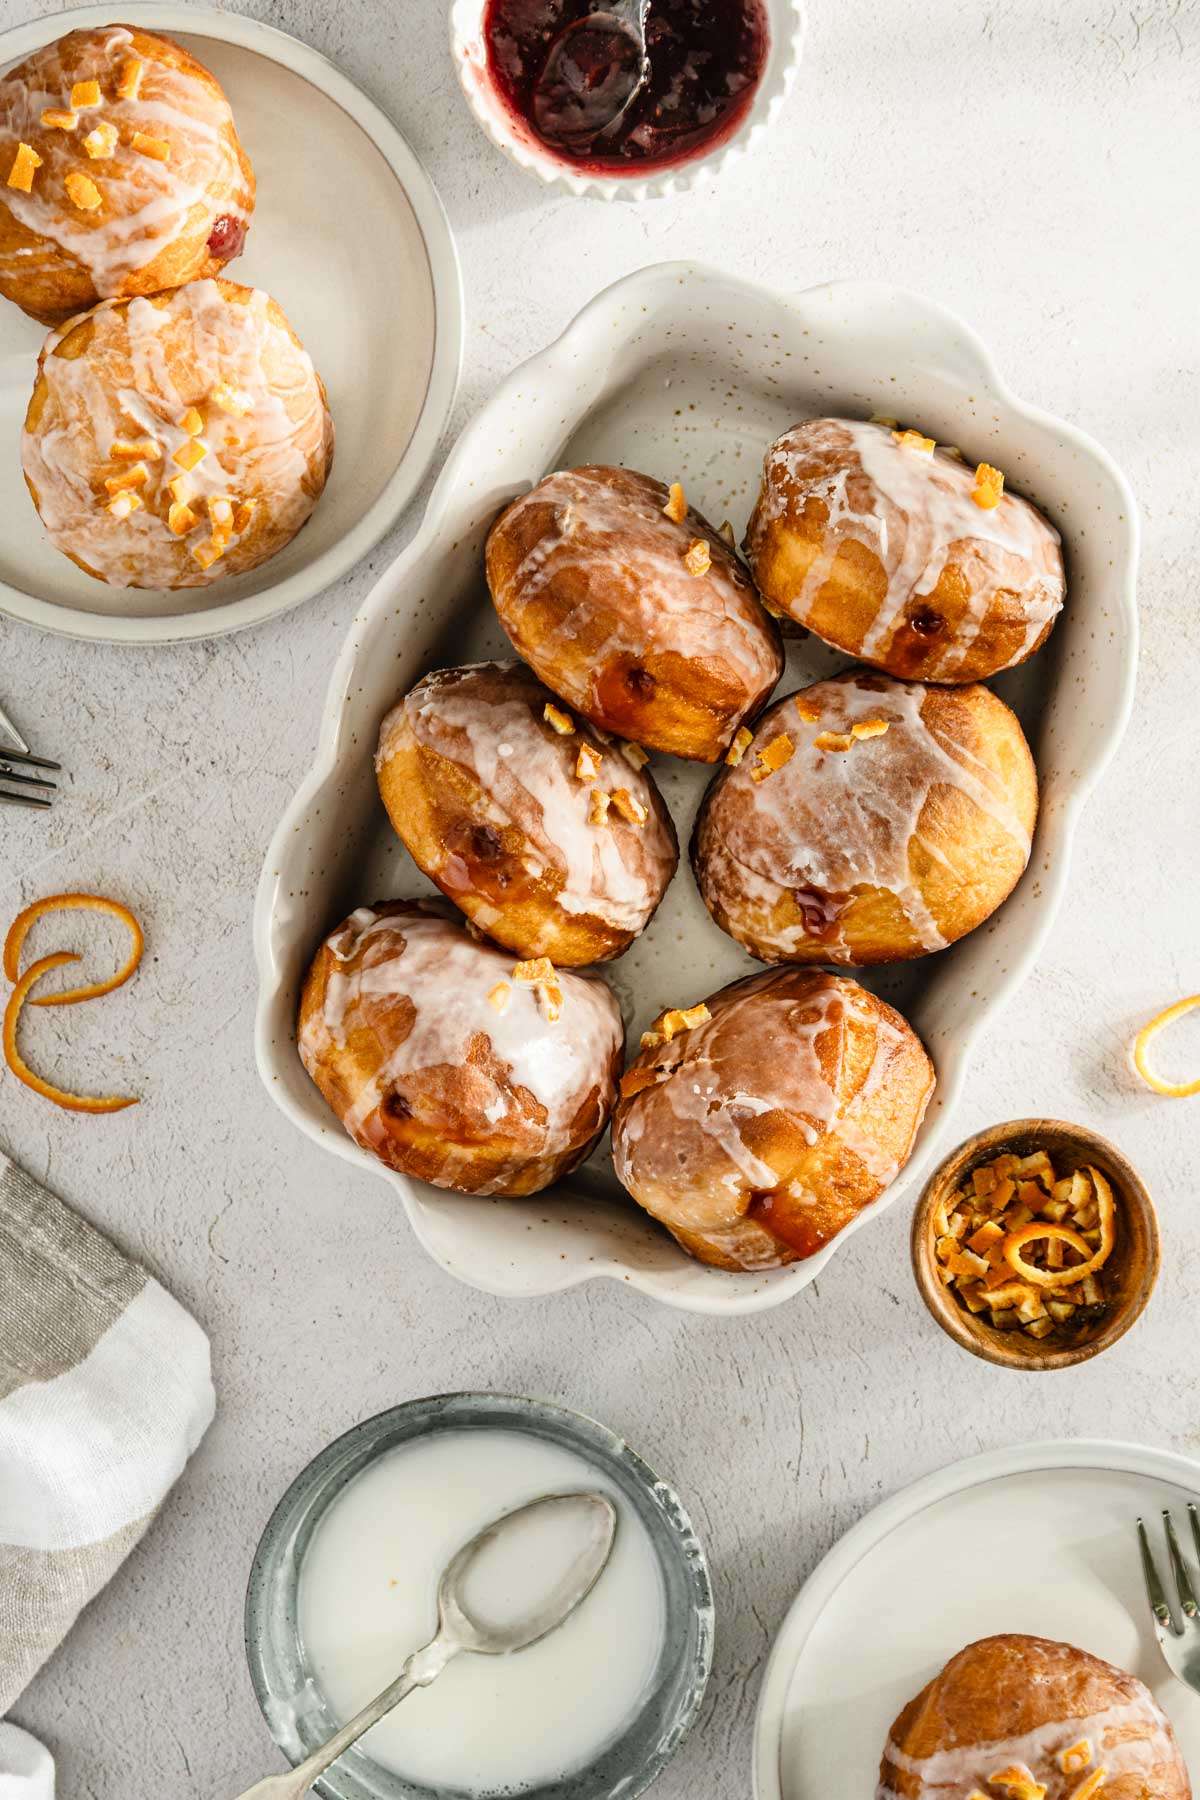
1033	168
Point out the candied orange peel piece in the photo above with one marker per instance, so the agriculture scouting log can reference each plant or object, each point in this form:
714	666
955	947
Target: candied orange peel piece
671	1023
499	996
629	806
838	741
870	728
743	738
1046	1228
25	164
637	1080
634	755
915	440
588	763
145	145
83	190
598	807
86	1103
676	507
59	118
773	756
698	557
809	711
126	502
1174	1090
989	487
100	142
558	720
24	922
1075	1758
1017	1782
131	78
84	94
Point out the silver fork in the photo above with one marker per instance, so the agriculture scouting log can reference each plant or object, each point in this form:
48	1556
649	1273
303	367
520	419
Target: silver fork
1178	1636
16	759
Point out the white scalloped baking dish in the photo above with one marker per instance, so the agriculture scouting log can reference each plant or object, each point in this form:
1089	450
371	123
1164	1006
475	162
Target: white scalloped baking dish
689	374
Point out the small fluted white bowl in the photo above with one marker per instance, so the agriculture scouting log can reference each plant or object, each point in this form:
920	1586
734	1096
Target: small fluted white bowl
787	21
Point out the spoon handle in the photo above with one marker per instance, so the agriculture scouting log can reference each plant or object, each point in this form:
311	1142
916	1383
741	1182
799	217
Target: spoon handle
422	1667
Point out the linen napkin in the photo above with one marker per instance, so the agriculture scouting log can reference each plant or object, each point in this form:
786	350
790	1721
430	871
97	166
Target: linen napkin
105	1391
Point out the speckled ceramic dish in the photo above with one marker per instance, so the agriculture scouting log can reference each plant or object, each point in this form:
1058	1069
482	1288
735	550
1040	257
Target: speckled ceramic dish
689	375
296	1712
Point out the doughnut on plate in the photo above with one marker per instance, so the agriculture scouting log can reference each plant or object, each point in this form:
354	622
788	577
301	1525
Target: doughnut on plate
643	378
906	1589
347	235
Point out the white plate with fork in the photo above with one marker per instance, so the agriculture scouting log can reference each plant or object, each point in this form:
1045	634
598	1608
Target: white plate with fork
1040	1539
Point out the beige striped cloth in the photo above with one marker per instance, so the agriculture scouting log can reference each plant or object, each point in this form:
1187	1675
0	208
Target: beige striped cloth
105	1391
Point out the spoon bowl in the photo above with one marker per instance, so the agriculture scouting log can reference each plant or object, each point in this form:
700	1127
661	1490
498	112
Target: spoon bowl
595	69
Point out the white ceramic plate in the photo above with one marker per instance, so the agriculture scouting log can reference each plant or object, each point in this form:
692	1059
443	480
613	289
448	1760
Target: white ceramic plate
689	374
349	236
1038	1539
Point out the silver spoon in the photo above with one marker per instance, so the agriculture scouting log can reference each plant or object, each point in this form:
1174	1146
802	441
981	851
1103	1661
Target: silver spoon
593	73
459	1627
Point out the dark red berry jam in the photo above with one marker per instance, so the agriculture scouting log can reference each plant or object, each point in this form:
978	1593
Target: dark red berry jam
706	60
227	237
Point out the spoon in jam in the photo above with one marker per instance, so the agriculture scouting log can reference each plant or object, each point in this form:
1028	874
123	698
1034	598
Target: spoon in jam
510	1586
593	73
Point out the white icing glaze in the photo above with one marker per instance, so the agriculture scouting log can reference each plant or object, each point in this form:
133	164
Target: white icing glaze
447	975
488	718
836	821
619	542
955	1774
680	1146
146	203
149	360
916	513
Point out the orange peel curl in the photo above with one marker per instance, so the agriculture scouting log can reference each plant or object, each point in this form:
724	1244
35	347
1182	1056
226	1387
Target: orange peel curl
21	926
1174	1090
85	1103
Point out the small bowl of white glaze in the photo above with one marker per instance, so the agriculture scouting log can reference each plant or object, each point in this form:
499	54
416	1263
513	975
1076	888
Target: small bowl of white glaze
343	1587
787	22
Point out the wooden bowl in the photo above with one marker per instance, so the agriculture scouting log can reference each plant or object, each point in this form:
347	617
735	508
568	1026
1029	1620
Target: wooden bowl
1130	1272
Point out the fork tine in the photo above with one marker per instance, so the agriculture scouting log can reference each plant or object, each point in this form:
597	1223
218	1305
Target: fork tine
1154	1588
1183	1581
36	781
23	799
26	756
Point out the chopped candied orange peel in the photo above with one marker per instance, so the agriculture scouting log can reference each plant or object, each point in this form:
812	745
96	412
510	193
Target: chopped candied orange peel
598	807
136	448
101	141
697	558
916	440
122	505
192	421
82	190
180	518
743	738
838	741
25	164
208	552
1024	1248
773	756
1075	1758
540	974
85	94
634	755
637	1080
135	475
989	487
499	996
869	728
558	720
1018	1783
1174	1090
59	118
232	400
192	451
130	81
808	709
243	516
145	145
674	1021
631	809
676	507
588	763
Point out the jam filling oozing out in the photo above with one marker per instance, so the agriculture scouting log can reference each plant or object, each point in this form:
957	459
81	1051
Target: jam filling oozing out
706	60
227	237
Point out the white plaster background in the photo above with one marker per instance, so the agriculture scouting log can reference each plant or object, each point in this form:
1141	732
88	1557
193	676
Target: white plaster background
1033	166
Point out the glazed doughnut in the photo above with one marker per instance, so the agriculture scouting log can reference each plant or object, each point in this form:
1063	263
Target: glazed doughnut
122	169
758	1125
643	621
451	1063
899	818
1022	1717
548	838
176	440
876	542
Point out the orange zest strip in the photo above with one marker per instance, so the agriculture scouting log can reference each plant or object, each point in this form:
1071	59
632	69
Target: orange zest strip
85	1103
21	926
1175	1090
